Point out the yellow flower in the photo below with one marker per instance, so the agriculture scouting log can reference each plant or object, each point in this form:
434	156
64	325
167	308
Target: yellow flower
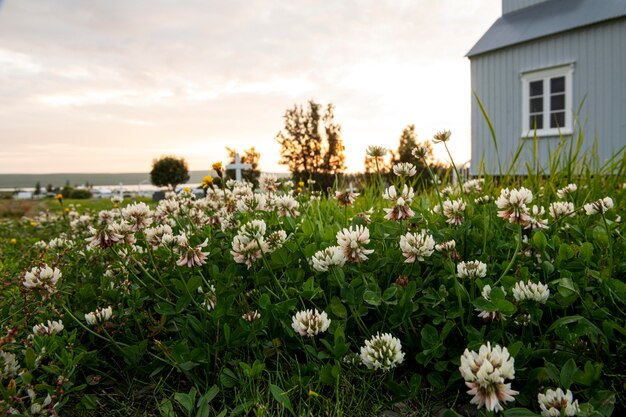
313	393
33	224
299	189
301	184
187	189
59	196
13	241
67	209
115	205
206	181
217	166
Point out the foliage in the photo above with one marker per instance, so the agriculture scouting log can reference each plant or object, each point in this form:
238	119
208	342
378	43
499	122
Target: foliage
169	171
202	321
311	144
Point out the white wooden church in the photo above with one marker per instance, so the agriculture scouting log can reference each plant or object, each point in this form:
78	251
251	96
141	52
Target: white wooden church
549	69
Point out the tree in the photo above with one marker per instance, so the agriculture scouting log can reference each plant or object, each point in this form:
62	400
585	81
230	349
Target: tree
37	188
311	144
250	156
169	171
408	142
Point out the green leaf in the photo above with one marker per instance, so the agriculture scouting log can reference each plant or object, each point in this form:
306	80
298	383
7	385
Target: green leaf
567	373
506	307
203	403
186	400
281	396
430	336
264	301
539	241
228	379
166	408
338	309
586	251
566	287
565	252
372	298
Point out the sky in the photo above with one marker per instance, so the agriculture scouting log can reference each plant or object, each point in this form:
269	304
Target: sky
108	86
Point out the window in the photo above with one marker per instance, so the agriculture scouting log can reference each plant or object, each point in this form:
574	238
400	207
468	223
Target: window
547	102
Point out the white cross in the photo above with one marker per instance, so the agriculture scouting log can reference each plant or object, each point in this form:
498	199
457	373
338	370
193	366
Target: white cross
238	166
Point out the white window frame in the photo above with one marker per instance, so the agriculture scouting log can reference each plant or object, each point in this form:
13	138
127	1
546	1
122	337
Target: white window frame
566	71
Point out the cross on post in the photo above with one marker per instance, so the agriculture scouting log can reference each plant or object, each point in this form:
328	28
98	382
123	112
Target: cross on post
238	167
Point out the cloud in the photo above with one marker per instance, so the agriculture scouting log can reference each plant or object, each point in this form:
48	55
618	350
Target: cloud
154	72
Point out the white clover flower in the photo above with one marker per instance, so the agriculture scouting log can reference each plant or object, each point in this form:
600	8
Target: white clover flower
402	203
329	257
485	374
599	206
376	151
268	183
52	328
556	403
254	229
117	199
352	243
535	220
42	277
138	215
155	235
9	366
416	246
99	316
513	205
275	240
473	186
252	202
246	250
382	351
471	269
567	190
560	209
346	198
483	199
404	169
310	322
191	256
447	246
531	291
453	210
287	206
250	316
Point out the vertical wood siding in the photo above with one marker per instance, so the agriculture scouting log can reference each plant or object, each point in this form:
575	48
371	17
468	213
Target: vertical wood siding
598	53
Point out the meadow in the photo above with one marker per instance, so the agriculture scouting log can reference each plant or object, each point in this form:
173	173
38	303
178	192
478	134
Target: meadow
496	295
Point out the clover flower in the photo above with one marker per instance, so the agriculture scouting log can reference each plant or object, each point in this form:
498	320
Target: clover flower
531	291
42	277
599	206
310	322
485	374
556	403
210	299
246	250
483	199
99	316
346	198
453	210
566	191
420	151
252	202
327	258
117	199
442	136
268	183
560	209
535	220
250	316
513	205
352	243
473	186
471	269
404	169
52	328
8	365
191	256
287	206
382	351
401	209
447	246
416	246
275	240
375	151
155	235
138	215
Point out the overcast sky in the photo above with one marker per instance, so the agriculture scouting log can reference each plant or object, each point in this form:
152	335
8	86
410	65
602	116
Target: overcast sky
109	85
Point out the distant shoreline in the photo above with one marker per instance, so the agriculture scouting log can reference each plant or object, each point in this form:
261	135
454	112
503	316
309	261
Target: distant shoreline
20	181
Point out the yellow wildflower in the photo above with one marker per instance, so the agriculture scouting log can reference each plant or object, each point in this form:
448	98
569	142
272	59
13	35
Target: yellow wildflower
217	166
33	223
206	181
13	241
59	196
187	190
300	184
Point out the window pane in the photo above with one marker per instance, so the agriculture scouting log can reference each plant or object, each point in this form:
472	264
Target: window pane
557	85
538	119
536	105
557	102
557	119
536	88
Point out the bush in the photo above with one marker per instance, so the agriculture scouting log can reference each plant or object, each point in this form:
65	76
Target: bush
80	194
